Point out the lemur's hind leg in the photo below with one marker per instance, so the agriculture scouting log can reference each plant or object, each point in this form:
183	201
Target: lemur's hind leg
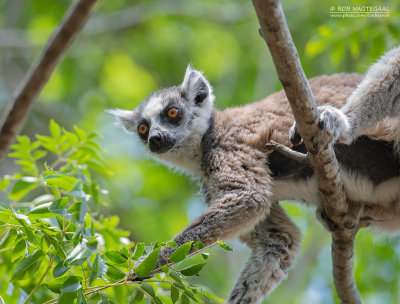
274	242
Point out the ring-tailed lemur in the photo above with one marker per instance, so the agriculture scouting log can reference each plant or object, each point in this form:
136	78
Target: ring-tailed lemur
242	184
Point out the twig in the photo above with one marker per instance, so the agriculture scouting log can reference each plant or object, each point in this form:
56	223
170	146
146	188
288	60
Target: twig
41	70
275	31
297	156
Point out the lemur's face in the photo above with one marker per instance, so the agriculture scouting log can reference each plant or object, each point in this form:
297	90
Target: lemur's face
168	119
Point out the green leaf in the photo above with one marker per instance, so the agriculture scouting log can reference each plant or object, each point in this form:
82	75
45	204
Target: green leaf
67	297
114	274
39	154
148	264
165	268
116	257
80	254
81	134
185	299
8	240
171	244
174	294
81	298
63	181
58	206
41	211
104	298
55	130
60	269
224	246
55	285
181	252
173	274
28	264
4	183
198	245
192	270
22	187
137	296
205	255
73	283
148	289
95	270
139	251
19	250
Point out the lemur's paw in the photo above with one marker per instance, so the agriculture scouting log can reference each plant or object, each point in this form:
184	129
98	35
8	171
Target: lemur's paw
294	135
333	124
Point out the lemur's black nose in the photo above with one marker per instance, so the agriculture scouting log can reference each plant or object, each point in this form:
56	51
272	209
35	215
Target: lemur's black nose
160	143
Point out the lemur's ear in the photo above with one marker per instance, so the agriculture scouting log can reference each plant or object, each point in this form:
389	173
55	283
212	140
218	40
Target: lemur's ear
195	86
125	118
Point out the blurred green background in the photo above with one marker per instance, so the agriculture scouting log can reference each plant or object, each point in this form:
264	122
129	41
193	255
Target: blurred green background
131	48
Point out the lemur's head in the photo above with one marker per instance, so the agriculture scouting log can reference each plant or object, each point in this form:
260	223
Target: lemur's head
172	118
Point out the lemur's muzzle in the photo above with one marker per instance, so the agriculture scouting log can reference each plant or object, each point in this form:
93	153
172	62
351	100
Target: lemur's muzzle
161	142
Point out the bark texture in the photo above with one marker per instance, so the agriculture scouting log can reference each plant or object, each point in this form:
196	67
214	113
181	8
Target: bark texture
40	72
322	159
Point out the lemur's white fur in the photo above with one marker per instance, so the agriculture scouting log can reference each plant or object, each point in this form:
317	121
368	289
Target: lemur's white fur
186	156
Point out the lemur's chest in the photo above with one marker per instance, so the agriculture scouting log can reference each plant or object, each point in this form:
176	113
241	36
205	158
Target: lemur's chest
370	171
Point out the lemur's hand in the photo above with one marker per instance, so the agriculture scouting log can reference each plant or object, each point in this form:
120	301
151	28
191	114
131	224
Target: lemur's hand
333	123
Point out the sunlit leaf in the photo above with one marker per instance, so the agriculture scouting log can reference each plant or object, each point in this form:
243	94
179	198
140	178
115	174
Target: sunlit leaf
192	270
60	269
174	294
55	130
114	274
116	257
137	296
224	246
73	283
81	253
22	187
8	240
139	251
30	264
148	264
181	252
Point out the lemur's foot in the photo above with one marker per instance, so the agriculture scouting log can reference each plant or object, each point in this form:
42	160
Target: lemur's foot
333	124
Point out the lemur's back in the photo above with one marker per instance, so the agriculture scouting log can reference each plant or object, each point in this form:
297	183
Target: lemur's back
247	125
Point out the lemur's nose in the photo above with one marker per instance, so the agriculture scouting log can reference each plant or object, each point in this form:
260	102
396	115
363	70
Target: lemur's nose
155	142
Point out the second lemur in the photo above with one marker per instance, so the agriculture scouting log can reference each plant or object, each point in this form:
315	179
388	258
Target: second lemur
242	184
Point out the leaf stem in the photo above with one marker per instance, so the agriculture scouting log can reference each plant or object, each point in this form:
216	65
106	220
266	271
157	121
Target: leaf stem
42	277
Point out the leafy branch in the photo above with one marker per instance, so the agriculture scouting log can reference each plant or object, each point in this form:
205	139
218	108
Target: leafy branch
53	215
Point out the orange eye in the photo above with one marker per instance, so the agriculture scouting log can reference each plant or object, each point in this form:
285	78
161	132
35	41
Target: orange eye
143	129
173	113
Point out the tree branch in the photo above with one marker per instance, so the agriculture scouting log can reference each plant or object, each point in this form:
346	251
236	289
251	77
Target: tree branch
295	155
275	31
40	71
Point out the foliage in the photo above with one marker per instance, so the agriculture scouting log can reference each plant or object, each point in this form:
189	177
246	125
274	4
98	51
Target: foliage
56	247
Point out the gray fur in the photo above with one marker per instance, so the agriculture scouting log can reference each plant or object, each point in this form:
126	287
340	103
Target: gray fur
226	151
377	97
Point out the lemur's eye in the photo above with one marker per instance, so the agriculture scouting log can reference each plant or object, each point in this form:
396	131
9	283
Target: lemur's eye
173	113
143	129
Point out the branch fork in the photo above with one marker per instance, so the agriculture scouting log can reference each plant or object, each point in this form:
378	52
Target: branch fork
321	156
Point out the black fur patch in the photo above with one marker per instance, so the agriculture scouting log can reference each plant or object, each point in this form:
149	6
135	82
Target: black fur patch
373	159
